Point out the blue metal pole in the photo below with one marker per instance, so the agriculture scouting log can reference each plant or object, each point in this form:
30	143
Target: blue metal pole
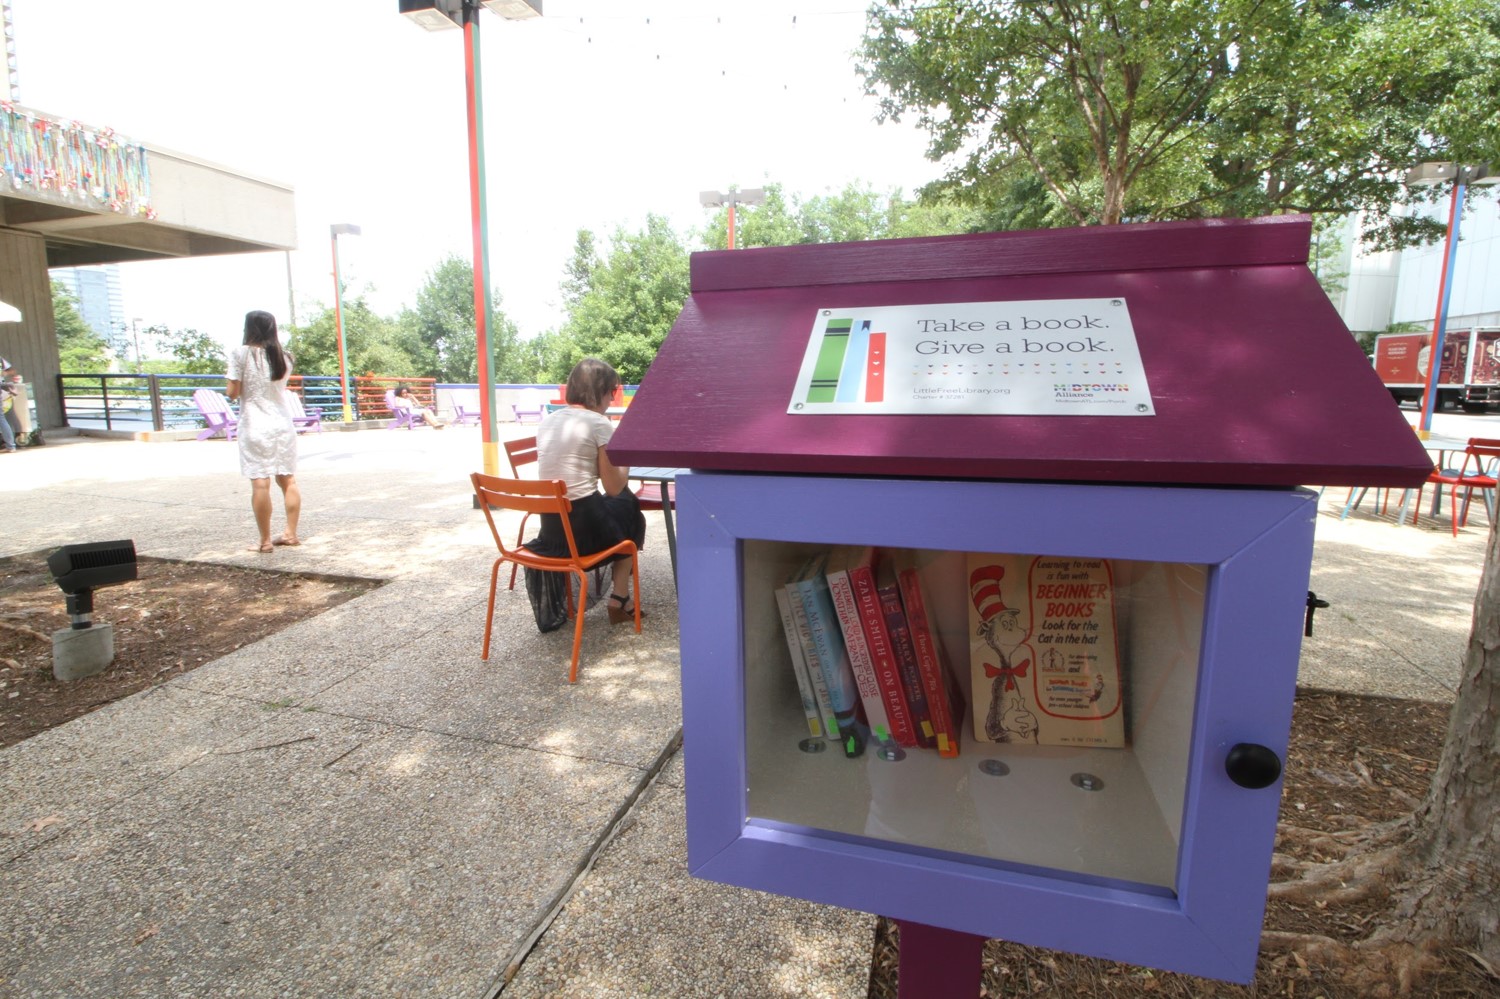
1445	293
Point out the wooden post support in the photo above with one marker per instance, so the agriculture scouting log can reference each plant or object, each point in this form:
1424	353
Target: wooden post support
938	964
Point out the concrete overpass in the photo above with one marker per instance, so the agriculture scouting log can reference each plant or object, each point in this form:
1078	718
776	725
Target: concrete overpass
72	194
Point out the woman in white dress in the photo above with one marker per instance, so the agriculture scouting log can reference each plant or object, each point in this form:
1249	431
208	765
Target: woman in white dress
257	376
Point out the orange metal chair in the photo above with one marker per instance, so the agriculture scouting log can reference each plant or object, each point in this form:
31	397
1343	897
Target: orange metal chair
520	453
546	496
1469	476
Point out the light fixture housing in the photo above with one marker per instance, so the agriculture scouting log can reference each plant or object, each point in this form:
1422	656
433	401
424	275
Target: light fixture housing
81	569
434	15
515	10
1428	174
343	229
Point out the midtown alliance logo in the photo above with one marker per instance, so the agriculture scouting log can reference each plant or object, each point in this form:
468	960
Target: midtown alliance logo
1087	390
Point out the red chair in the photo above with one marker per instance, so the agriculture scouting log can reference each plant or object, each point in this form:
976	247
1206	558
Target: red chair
550	496
1471	475
520	453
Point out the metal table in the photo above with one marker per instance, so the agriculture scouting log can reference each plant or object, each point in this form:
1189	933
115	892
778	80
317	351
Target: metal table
665	477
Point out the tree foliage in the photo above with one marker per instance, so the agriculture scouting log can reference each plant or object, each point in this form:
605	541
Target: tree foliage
191	352
443	327
858	212
1120	109
79	348
632	299
371	342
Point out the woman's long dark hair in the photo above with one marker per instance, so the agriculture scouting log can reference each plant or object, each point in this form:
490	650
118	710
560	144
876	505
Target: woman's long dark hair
260	331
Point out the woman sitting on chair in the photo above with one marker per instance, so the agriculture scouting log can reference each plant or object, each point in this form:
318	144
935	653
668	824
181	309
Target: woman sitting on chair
570	445
403	399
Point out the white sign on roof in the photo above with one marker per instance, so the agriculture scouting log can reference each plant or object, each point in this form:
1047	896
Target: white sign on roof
1061	357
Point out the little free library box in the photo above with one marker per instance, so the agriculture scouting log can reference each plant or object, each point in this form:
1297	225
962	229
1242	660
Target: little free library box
993	567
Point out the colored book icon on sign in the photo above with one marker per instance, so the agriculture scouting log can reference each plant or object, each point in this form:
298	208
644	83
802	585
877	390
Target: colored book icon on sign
830	362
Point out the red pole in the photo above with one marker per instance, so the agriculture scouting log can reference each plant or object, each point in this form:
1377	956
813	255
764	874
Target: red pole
731	222
473	92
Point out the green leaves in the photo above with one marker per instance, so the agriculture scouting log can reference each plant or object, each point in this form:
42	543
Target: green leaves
1108	111
80	348
632	299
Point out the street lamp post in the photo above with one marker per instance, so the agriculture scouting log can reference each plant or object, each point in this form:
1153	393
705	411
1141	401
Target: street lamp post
334	232
438	15
1428	174
716	199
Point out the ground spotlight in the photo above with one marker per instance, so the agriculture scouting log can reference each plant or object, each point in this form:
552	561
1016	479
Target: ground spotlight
86	648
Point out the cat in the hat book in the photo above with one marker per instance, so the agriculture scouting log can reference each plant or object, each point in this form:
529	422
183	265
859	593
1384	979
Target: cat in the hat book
1044	651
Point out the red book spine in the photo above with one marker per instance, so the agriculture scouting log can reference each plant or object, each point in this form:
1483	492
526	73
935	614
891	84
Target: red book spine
906	662
875	369
929	665
887	674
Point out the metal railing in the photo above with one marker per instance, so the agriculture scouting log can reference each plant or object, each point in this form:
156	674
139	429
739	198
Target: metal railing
165	402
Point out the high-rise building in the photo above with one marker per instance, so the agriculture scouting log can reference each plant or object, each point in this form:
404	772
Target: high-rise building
100	301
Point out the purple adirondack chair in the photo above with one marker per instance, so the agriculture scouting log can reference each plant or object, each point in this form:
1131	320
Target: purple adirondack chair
217	414
406	416
304	419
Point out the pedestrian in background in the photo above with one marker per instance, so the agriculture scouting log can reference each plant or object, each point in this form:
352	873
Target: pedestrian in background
258	372
7	403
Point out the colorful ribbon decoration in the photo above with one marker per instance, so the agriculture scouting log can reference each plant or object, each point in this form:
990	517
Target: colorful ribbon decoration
73	162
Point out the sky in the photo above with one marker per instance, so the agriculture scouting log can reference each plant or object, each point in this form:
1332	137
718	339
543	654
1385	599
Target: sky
595	115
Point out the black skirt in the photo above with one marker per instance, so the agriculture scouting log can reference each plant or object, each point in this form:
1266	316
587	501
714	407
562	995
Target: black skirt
598	522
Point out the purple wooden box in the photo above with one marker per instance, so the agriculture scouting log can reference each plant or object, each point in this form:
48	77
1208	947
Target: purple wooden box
1254	381
1257	546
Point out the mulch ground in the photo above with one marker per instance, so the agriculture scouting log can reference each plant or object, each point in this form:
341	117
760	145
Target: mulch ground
1352	759
174	617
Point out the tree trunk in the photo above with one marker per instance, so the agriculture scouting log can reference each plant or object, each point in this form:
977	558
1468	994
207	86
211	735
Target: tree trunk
1450	893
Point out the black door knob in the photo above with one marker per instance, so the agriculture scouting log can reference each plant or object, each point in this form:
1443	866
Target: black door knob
1252	766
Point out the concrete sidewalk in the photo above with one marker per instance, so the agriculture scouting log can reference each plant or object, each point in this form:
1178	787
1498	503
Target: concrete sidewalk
359	806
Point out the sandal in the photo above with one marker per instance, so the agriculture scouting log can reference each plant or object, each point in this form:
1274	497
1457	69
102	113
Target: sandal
621	609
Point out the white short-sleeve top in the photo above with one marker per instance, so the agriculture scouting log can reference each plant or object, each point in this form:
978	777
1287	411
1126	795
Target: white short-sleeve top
567	448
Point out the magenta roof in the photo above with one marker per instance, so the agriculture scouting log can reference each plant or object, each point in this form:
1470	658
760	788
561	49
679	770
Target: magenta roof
1253	376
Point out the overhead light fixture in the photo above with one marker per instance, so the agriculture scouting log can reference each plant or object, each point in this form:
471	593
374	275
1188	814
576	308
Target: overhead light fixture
1428	174
515	10
434	15
1432	174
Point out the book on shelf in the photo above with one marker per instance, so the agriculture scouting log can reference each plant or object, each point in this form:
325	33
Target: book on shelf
945	703
809	587
845	607
861	571
888	592
1044	655
799	665
827	720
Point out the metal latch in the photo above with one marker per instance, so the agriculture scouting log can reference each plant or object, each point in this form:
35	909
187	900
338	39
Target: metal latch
1313	604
